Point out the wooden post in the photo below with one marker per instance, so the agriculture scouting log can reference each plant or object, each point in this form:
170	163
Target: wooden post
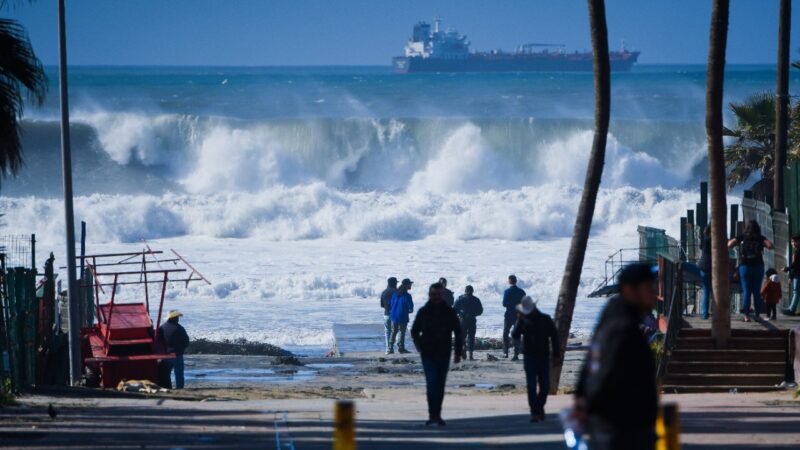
734	220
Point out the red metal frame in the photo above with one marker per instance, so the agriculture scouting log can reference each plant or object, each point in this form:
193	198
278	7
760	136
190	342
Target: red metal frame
126	347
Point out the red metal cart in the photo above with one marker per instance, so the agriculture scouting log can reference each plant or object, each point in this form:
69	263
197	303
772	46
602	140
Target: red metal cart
123	344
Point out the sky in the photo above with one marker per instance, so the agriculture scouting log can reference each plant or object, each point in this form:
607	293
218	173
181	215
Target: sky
370	32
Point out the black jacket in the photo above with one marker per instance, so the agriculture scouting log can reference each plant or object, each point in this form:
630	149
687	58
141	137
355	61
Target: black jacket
618	379
468	308
511	298
449	297
174	337
386	300
538	333
433	330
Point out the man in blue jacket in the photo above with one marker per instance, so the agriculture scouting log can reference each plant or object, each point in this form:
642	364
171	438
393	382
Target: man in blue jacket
400	307
511	298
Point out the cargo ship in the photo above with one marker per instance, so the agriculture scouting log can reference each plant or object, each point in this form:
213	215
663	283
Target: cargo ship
432	49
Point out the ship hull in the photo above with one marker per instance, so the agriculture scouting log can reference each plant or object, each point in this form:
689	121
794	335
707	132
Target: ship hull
403	64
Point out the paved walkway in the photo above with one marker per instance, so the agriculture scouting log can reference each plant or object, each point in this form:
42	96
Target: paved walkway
389	420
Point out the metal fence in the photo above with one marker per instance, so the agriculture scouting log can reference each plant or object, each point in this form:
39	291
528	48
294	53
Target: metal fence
18	250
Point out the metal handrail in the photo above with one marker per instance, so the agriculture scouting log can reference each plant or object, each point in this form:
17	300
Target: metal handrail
674	316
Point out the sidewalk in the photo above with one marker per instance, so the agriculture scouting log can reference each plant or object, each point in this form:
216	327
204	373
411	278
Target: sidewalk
386	419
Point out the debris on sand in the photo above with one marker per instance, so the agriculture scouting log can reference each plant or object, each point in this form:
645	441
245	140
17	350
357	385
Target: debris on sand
234	347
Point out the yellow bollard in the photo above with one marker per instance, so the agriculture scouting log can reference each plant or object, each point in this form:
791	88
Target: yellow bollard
344	425
668	427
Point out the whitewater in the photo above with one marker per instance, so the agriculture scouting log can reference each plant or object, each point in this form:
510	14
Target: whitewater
298	191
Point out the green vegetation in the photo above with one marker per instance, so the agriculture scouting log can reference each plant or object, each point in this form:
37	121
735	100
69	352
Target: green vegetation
752	150
6	396
21	73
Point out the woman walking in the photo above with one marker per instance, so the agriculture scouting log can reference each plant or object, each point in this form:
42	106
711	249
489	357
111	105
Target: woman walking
751	266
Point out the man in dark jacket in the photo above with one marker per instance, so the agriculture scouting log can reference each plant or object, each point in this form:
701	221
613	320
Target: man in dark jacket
386	304
173	336
432	332
616	397
511	298
449	297
538	333
468	307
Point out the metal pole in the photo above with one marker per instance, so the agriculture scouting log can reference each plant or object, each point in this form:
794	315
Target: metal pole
782	103
69	218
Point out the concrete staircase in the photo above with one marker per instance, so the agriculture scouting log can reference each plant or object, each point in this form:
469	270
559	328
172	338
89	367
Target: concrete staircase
754	361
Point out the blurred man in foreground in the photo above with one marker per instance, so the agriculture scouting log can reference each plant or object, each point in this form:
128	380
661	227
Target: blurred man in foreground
616	399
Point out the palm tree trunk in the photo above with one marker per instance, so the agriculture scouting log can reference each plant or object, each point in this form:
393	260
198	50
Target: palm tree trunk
715	75
782	103
594	173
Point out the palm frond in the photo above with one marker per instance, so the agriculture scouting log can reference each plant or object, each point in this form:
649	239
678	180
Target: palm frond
20	72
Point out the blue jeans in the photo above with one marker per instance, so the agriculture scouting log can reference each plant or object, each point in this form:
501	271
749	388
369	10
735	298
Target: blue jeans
537	373
795	295
705	280
751	278
387	325
177	366
708	293
435	377
398	328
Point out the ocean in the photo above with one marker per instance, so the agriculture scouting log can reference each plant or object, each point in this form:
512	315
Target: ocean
297	191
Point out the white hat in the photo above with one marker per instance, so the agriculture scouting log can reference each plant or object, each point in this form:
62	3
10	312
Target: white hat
527	305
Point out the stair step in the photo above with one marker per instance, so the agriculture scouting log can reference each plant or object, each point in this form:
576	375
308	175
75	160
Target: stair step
722	379
709	355
728	367
736	332
681	389
739	343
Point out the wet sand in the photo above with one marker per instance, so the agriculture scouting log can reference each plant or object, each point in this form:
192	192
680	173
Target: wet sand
356	375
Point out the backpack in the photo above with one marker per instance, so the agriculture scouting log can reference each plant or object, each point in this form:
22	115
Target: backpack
750	250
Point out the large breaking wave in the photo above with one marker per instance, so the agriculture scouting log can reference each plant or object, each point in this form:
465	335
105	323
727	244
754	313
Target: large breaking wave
152	176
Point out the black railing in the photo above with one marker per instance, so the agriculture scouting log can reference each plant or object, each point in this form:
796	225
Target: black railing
672	291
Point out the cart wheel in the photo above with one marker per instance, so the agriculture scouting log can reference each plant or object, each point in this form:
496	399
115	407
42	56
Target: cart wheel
92	376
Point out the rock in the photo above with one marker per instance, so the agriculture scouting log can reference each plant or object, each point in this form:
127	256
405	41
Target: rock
490	357
506	387
381	370
286	360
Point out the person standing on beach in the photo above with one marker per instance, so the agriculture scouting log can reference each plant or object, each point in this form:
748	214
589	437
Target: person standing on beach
400	307
433	330
449	297
751	266
793	271
538	333
386	304
174	337
468	307
616	399
511	298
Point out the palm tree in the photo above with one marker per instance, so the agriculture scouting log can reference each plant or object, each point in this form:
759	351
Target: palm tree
752	149
594	173
21	73
715	75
